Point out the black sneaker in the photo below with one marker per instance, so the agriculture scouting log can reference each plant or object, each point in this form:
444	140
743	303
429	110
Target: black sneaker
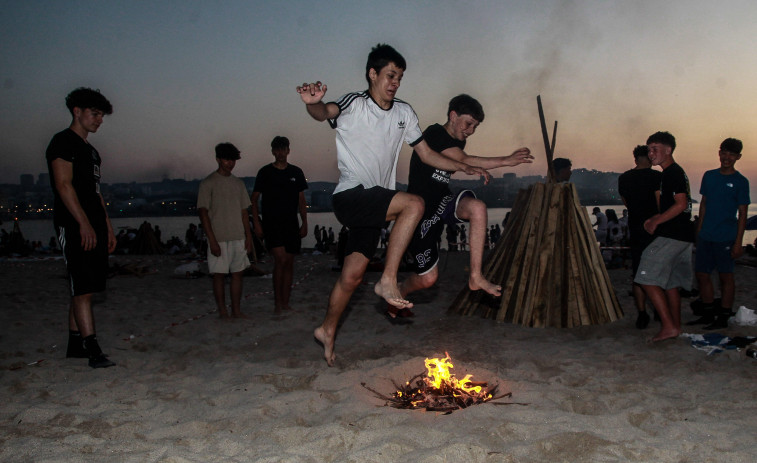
76	348
101	361
699	308
721	322
642	321
706	318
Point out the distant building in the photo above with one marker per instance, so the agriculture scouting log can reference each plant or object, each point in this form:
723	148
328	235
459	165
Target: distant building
27	181
43	180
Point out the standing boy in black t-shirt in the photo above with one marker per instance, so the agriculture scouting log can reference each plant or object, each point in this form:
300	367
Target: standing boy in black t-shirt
464	114
666	262
282	186
81	222
639	188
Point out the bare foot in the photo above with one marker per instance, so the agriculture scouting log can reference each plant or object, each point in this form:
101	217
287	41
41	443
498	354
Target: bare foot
391	294
666	334
222	313
394	312
479	282
240	315
328	344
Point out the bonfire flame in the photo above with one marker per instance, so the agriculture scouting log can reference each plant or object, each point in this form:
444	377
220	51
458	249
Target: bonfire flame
439	377
439	390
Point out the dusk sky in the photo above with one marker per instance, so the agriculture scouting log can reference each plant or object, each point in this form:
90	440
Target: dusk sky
185	75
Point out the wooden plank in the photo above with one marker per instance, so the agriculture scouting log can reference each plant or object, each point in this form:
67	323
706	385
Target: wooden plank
547	146
523	306
545	287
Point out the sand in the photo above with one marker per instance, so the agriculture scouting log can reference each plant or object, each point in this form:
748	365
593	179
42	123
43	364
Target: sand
190	387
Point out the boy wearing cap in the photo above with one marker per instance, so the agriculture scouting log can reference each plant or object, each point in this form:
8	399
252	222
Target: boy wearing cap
371	127
725	192
665	263
282	186
222	204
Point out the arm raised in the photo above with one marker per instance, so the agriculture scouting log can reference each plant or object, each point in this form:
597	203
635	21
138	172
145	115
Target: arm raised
312	95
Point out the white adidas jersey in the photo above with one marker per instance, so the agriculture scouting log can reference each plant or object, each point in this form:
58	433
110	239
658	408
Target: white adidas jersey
369	139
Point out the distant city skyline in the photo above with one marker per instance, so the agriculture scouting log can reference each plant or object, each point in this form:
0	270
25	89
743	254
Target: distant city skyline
185	75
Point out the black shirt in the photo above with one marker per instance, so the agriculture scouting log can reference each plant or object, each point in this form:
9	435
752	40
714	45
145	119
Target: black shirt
280	189
680	227
638	187
69	146
428	182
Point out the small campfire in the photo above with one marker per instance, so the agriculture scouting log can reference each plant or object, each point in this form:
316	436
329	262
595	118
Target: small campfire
437	389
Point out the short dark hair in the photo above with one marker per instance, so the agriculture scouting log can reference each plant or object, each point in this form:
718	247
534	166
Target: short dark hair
663	138
561	163
86	98
279	142
466	104
227	151
380	56
641	151
732	145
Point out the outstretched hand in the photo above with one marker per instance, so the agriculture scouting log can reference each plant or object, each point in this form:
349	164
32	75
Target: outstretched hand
520	156
312	93
481	172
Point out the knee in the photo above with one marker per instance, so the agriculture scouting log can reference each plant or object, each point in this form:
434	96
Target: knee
350	281
416	205
427	280
475	211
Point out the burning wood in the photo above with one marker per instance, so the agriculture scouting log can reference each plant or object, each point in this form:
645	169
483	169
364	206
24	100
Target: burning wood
438	390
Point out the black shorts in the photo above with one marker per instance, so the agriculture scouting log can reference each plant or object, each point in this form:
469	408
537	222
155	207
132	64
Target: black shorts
278	235
87	270
424	247
364	213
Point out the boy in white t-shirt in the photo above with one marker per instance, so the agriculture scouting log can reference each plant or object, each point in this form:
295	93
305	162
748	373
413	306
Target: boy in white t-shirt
370	128
222	204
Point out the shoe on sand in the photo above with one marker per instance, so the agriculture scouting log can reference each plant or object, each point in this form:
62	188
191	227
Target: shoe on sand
76	349
101	361
642	321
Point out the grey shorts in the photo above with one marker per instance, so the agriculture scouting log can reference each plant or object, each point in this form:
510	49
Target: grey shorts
666	263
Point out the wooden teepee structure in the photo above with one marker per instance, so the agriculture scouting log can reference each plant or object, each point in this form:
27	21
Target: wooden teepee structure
547	261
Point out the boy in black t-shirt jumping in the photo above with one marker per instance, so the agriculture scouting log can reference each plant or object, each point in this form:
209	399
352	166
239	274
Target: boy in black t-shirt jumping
464	114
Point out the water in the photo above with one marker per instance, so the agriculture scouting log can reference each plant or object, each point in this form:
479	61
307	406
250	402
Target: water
42	230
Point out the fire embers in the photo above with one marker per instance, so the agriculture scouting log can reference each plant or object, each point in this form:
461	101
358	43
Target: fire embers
438	390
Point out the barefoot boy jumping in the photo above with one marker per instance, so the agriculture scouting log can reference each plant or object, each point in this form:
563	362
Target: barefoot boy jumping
370	128
464	114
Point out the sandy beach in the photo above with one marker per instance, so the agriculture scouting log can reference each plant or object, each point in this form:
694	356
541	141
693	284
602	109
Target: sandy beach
190	387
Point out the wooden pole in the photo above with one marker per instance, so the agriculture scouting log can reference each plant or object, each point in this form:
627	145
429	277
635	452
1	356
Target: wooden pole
547	146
